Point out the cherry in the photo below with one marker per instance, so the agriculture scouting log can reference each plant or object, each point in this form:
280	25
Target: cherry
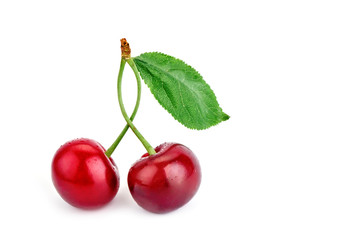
165	181
83	175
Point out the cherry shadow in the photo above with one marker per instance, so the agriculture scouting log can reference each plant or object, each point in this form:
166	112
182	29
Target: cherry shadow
123	200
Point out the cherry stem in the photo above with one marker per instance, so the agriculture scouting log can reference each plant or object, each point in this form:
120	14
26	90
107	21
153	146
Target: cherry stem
112	148
146	144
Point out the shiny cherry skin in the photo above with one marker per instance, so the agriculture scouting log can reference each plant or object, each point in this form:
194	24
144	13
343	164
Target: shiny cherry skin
83	175
165	181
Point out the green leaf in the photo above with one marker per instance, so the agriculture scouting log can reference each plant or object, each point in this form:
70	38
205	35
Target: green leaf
181	90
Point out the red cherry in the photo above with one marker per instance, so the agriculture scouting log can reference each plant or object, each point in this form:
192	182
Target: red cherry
83	175
165	181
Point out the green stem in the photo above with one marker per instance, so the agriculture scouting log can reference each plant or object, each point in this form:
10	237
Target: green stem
147	145
112	148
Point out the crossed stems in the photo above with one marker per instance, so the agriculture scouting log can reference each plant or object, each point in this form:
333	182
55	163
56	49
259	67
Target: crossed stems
128	120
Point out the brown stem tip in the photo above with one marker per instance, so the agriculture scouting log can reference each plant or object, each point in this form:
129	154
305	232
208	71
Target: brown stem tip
125	49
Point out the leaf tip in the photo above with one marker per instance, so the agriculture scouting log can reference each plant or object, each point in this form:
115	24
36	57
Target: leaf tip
225	117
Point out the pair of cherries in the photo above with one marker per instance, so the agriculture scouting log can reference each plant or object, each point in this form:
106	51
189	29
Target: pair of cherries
86	177
164	179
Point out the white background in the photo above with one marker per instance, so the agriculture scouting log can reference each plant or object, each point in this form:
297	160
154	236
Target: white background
286	164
